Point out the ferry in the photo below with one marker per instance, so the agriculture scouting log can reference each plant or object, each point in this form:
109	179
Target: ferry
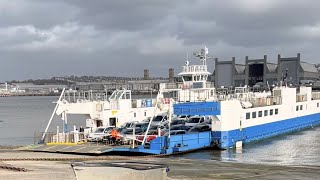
241	116
237	117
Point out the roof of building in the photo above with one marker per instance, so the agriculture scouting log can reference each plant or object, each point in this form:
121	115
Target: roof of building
272	67
308	67
240	68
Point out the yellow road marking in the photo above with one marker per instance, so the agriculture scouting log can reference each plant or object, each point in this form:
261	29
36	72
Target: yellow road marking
67	144
95	150
64	148
49	147
79	149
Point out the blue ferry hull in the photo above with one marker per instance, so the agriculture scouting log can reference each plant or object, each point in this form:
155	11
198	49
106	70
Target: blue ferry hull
224	139
227	139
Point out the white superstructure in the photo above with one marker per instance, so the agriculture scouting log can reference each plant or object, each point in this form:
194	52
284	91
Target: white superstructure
108	111
120	107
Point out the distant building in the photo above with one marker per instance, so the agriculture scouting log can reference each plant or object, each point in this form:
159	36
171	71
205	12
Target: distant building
134	85
262	72
146	84
38	88
146	75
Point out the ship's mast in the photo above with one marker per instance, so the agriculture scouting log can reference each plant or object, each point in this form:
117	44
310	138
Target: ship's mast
202	55
192	74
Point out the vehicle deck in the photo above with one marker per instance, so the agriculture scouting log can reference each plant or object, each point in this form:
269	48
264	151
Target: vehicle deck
75	149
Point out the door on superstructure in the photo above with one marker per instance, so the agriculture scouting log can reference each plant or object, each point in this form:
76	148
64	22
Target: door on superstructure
113	121
99	123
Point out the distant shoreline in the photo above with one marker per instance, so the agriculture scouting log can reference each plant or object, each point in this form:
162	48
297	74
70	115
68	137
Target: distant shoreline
19	95
58	94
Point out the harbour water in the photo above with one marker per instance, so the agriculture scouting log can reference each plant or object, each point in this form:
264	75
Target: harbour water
21	117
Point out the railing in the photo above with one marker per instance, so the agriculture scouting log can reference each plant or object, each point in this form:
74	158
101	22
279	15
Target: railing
195	68
51	137
315	95
268	101
187	86
84	96
301	97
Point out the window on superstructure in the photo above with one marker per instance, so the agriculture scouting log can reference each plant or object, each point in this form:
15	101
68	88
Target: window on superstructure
254	114
297	108
271	112
134	114
187	78
317	104
265	112
248	115
276	111
145	113
260	114
300	107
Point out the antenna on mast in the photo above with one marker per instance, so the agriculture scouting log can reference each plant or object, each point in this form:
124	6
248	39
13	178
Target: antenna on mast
187	61
202	55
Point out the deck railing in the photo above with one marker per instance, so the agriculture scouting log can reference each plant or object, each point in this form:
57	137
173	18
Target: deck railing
195	68
315	95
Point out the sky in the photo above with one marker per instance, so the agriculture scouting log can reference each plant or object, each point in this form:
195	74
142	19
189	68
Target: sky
46	38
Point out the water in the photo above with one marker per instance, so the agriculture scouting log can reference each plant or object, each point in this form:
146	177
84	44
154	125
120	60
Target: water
296	149
21	117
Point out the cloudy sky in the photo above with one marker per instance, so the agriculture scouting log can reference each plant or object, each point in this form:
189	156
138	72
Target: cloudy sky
45	38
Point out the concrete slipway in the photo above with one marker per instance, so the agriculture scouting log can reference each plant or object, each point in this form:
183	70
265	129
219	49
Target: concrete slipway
180	168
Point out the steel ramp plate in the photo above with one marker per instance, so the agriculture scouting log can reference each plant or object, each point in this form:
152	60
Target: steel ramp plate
83	149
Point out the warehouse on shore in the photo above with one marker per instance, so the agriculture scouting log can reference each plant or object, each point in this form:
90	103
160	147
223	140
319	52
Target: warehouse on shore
263	73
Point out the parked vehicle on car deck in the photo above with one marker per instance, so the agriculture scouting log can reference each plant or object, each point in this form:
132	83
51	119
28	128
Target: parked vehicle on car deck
200	128
178	121
176	132
180	127
195	120
100	133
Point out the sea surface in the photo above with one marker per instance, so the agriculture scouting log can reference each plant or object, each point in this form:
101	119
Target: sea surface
23	117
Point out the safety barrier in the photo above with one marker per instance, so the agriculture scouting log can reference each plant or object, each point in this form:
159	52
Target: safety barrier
197	108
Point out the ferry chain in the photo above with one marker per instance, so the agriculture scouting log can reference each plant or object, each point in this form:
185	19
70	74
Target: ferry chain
9	147
84	158
12	168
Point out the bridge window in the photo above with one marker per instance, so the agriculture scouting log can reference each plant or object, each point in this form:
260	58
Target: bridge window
260	114
276	111
271	112
254	114
187	78
265	112
248	115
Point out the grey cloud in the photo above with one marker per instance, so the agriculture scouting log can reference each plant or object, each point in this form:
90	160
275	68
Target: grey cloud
51	38
40	13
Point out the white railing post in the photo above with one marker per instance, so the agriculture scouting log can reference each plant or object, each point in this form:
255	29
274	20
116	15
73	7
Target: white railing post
154	114
54	111
134	136
57	139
